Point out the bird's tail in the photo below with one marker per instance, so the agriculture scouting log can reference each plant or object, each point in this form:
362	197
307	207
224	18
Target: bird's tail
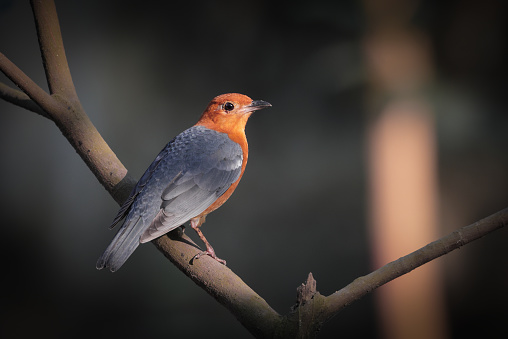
122	246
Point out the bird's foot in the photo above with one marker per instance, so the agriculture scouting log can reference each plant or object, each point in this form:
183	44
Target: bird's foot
195	224
211	253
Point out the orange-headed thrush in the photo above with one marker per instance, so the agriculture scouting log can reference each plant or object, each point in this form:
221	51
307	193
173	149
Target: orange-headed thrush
191	177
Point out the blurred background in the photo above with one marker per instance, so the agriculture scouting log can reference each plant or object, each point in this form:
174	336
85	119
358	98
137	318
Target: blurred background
387	131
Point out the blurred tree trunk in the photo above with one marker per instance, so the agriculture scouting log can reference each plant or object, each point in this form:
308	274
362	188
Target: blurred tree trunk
402	161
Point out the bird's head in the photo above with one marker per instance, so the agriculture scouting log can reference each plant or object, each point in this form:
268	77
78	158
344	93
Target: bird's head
228	113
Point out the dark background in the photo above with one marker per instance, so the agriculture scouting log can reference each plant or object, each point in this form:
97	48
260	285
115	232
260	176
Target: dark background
145	71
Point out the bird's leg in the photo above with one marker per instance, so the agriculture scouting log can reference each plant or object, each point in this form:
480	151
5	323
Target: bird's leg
195	224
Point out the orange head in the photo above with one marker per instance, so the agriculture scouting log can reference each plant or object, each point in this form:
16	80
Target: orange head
228	113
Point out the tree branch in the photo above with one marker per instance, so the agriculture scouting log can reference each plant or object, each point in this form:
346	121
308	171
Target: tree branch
20	99
27	85
313	309
55	63
221	283
63	107
334	303
309	315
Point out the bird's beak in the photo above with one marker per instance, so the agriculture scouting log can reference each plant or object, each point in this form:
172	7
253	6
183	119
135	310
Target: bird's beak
257	105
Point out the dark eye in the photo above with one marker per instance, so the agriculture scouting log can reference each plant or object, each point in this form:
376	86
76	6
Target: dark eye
229	106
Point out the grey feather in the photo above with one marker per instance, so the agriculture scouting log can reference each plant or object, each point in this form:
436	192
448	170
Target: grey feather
188	175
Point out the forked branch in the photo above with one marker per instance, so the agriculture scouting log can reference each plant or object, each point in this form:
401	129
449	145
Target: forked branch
62	104
31	90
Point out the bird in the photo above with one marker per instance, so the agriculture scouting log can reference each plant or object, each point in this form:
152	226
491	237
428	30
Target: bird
192	176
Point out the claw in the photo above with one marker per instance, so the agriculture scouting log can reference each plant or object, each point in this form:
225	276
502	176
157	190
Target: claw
211	253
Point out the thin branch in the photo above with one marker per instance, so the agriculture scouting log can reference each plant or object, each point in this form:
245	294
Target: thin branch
307	318
20	99
363	285
27	85
57	69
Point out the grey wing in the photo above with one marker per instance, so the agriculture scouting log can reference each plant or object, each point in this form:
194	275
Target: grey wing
134	210
126	206
212	165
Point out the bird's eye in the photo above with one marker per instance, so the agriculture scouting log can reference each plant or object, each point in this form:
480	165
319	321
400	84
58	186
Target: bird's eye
229	106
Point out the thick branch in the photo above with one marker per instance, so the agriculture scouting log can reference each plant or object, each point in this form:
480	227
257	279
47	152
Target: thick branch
220	282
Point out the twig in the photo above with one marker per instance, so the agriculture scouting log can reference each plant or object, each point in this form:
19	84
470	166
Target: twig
20	99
